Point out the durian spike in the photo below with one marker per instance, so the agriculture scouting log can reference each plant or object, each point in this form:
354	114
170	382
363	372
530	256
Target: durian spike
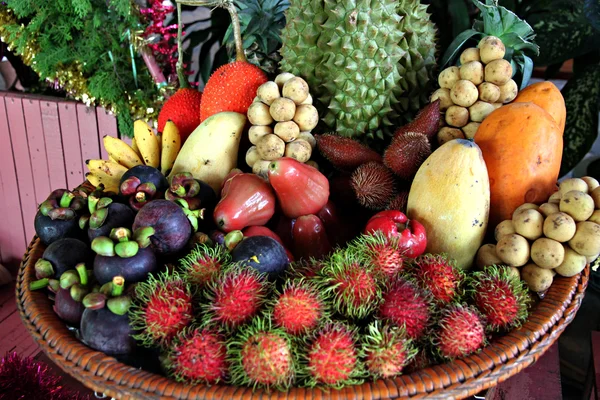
235	21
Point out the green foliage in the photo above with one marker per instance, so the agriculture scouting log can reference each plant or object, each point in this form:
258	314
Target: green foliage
94	36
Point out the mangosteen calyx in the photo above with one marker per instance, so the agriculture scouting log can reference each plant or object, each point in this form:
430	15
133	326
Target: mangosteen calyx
98	208
233	238
43	269
192	215
110	296
196	193
138	193
142	235
62	205
122	242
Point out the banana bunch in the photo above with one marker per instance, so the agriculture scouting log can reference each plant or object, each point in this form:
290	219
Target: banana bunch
146	149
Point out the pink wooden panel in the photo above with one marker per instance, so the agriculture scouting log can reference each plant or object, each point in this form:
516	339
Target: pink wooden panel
71	146
88	134
37	148
20	145
12	233
107	125
54	147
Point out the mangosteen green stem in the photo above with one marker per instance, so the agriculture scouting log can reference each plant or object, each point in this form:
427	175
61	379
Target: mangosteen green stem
78	292
98	218
94	301
104	202
68	279
83	273
93	203
66	199
118	285
233	238
119	305
39	284
127	249
54	285
142	236
179	191
104	246
43	269
120	234
83	221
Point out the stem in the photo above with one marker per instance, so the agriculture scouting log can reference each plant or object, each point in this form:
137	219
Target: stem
83	274
65	200
183	81
118	286
39	284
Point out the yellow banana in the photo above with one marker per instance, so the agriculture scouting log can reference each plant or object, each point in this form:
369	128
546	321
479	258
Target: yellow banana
171	144
113	160
135	147
147	143
105	167
121	151
110	183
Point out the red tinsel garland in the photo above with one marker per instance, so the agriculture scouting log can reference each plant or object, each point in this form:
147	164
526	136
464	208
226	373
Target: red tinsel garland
26	379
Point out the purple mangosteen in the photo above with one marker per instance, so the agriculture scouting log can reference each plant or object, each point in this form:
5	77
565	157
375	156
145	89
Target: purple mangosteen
141	184
196	193
62	255
57	216
107	215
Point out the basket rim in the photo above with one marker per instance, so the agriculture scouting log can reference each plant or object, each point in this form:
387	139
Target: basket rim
502	358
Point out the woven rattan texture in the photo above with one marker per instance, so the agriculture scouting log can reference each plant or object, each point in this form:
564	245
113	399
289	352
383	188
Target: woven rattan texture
500	360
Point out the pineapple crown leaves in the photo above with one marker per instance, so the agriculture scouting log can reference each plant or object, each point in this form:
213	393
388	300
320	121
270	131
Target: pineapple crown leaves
381	336
495	273
358	373
169	357
261	22
202	252
516	34
259	324
144	293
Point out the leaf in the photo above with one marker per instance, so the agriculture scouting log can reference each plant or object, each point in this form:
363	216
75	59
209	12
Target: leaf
459	13
456	45
591	10
527	71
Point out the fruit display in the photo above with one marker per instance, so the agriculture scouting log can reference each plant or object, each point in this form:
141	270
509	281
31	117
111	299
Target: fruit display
560	236
282	118
222	252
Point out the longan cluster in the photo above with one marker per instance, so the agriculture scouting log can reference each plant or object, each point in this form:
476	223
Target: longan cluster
560	236
282	117
470	92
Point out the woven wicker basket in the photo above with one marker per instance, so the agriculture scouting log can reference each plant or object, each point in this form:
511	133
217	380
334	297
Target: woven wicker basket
502	359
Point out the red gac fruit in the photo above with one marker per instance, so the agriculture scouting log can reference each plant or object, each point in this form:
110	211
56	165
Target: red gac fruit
236	296
198	357
300	188
387	350
264	231
407	306
406	153
332	357
246	200
183	108
439	275
427	122
500	296
310	238
345	153
262	356
298	309
232	87
460	332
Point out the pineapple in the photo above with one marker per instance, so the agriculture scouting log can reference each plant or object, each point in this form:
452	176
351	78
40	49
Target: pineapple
371	63
261	22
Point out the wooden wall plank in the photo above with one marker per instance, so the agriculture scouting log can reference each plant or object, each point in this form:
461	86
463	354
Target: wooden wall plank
69	128
12	233
107	125
20	146
54	147
88	134
37	148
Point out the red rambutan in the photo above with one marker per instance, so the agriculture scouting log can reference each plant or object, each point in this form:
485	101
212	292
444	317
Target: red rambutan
198	356
344	153
460	332
299	308
421	360
353	289
183	108
439	275
332	357
398	202
232	87
162	307
406	305
387	350
262	356
426	122
500	296
236	296
203	263
381	251
374	185
406	153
